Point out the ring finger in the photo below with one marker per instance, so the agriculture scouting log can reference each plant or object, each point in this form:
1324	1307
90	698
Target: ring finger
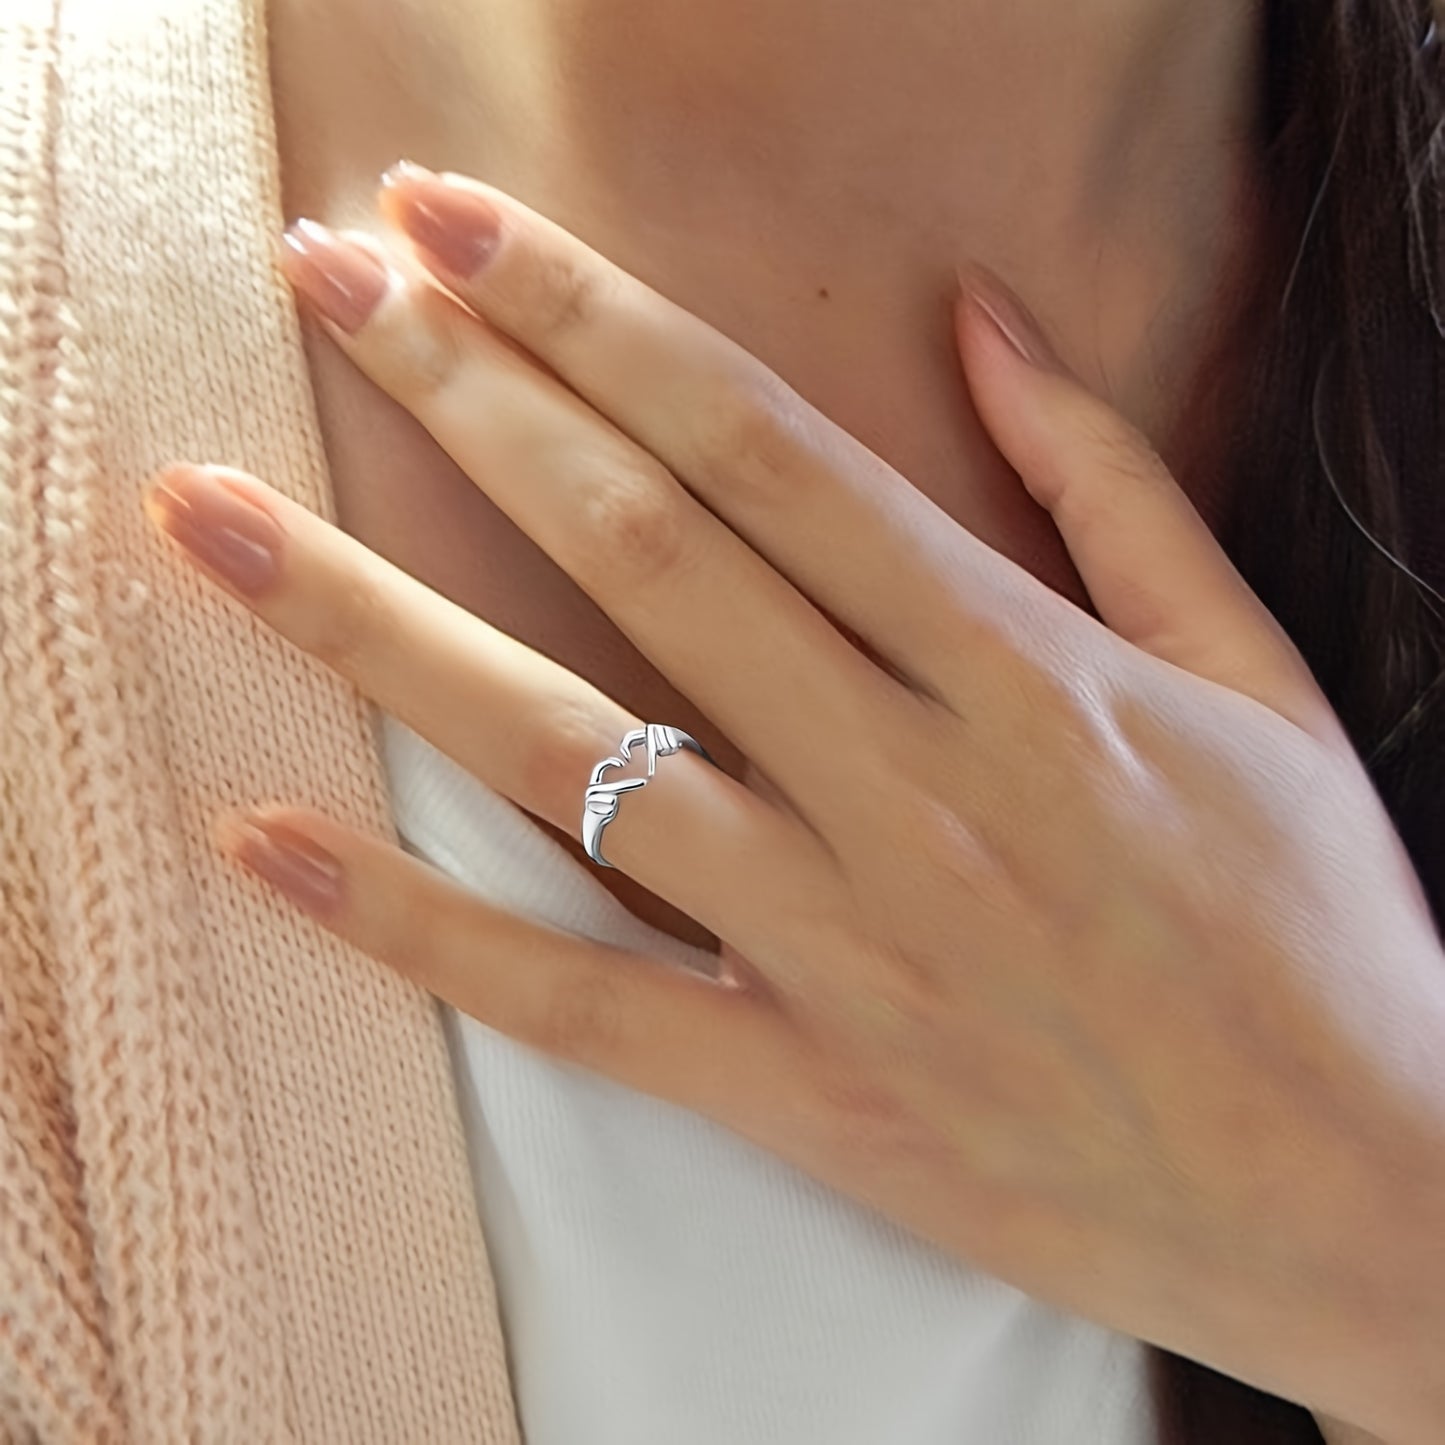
520	722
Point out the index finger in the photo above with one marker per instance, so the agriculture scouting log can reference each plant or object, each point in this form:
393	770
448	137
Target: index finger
828	513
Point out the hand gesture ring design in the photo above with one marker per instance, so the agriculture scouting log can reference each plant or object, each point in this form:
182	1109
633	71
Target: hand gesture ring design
599	806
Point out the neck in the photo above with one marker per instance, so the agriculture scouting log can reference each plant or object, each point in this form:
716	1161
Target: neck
762	160
1075	115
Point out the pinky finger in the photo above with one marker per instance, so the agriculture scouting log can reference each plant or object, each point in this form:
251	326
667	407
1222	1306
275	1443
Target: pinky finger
653	1026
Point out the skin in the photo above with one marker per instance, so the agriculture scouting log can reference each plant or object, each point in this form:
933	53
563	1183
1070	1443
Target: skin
1092	153
1192	1041
1082	948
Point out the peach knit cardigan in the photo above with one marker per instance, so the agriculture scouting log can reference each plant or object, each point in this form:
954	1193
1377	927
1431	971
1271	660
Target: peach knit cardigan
234	1197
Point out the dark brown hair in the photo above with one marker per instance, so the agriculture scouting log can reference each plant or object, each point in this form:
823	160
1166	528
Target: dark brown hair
1330	432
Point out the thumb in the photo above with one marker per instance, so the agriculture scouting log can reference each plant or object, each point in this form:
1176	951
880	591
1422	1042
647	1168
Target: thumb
1154	571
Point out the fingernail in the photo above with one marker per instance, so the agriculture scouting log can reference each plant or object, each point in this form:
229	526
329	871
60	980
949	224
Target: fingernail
218	527
291	862
1012	318
455	228
337	277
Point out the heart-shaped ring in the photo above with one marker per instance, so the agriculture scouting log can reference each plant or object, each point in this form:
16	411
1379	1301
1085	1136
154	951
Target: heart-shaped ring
601	801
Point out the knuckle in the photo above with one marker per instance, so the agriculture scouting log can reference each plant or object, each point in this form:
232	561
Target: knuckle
1119	459
352	628
1109	434
751	445
423	353
910	992
568	294
558	758
632	528
1071	751
1054	710
941	839
958	858
582	1018
867	1120
415	933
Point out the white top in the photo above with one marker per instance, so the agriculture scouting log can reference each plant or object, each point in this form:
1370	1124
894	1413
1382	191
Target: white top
663	1282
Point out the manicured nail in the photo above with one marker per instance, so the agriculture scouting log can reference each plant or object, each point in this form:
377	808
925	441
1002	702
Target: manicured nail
1012	318
339	278
290	861
455	228
218	526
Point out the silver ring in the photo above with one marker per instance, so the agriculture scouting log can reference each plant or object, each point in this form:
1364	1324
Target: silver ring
600	804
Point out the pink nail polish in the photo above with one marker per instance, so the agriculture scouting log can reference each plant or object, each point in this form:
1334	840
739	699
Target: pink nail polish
456	229
1013	319
291	862
218	526
339	278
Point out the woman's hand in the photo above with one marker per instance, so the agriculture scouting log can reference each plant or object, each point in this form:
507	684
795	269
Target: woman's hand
1081	948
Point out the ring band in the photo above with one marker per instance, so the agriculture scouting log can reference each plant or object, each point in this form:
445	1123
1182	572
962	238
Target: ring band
600	804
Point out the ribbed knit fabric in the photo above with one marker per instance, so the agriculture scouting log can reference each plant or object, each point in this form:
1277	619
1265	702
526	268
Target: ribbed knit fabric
234	1197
